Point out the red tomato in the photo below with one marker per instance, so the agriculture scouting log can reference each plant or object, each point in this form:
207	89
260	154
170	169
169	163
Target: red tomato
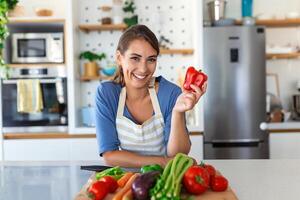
111	183
196	179
219	183
211	170
98	190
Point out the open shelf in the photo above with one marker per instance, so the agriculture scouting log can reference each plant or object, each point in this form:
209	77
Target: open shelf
283	56
101	27
94	78
275	22
18	20
177	51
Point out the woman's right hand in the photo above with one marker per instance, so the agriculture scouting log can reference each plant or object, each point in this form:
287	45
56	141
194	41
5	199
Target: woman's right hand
188	99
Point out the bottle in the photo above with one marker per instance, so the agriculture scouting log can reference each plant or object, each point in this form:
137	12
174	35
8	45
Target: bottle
247	7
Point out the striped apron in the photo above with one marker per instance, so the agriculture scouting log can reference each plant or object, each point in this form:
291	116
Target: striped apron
147	138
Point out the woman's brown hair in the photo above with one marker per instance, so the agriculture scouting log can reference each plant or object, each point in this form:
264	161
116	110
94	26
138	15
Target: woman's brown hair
134	32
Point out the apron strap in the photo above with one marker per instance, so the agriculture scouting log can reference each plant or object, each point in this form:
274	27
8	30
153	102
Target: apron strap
153	97
154	100
121	103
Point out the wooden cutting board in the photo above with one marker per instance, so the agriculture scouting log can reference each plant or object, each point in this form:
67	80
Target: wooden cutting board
208	195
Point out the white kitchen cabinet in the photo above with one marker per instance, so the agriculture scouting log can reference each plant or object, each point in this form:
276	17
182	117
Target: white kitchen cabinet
51	149
36	149
84	149
197	147
284	145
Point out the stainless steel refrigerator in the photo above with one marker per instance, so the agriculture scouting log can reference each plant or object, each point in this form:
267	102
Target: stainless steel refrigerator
235	101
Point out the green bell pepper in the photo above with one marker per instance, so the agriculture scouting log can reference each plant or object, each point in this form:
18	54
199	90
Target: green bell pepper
150	168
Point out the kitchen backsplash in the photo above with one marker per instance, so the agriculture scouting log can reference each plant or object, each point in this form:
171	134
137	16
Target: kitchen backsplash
168	18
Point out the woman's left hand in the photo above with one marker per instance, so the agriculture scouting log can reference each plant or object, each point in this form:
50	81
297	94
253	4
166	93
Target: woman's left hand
187	100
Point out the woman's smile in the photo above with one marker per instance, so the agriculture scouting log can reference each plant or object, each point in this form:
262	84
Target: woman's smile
139	77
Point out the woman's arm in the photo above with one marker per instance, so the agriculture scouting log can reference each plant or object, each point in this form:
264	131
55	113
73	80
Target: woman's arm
179	139
129	159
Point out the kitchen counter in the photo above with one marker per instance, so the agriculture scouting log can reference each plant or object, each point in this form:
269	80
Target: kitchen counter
250	179
289	126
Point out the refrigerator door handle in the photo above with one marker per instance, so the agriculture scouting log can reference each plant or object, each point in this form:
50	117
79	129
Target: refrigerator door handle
236	143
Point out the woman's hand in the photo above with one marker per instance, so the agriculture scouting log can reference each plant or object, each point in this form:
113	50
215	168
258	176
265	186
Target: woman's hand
187	100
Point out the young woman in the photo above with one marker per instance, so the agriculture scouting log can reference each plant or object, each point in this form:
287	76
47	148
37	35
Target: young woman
140	119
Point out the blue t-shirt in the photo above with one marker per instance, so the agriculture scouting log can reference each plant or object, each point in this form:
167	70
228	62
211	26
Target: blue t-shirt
107	98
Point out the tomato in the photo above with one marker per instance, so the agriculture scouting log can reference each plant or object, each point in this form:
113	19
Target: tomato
210	169
111	183
98	190
219	183
196	179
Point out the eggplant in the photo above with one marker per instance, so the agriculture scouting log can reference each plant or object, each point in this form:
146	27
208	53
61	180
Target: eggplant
142	184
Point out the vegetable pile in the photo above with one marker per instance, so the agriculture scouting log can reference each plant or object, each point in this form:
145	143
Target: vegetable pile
180	176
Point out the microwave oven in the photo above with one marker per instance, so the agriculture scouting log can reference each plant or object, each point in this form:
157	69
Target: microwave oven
37	48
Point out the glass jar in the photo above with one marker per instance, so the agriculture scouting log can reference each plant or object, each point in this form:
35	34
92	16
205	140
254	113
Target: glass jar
106	15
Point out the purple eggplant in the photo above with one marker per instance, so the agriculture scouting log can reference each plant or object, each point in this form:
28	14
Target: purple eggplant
142	184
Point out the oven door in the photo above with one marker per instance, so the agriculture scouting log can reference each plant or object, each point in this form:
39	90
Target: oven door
53	117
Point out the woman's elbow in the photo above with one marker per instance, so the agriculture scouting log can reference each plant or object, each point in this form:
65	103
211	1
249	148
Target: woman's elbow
173	152
108	158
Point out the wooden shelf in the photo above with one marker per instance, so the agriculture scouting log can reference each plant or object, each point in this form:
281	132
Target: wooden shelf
275	22
94	78
101	27
177	51
284	56
37	65
18	20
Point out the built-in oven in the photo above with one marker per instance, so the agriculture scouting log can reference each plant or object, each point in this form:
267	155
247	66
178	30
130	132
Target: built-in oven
53	117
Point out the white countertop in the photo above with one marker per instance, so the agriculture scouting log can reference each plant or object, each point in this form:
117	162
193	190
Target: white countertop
284	125
250	179
262	179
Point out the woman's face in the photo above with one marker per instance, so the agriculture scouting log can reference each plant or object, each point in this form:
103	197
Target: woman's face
138	63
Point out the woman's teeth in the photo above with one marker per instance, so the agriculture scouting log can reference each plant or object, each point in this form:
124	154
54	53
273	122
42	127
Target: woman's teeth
139	76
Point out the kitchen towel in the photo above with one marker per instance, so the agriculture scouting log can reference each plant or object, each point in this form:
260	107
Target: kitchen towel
29	97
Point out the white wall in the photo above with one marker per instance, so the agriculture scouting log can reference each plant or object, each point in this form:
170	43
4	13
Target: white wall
58	6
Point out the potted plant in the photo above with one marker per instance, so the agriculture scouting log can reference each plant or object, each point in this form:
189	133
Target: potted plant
5	6
131	18
91	68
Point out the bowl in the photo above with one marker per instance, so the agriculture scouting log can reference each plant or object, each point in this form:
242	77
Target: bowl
224	22
109	71
43	12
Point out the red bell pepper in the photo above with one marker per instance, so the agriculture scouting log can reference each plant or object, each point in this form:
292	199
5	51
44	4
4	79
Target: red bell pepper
194	77
98	190
111	183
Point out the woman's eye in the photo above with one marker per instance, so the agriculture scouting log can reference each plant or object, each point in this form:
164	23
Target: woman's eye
152	60
135	58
